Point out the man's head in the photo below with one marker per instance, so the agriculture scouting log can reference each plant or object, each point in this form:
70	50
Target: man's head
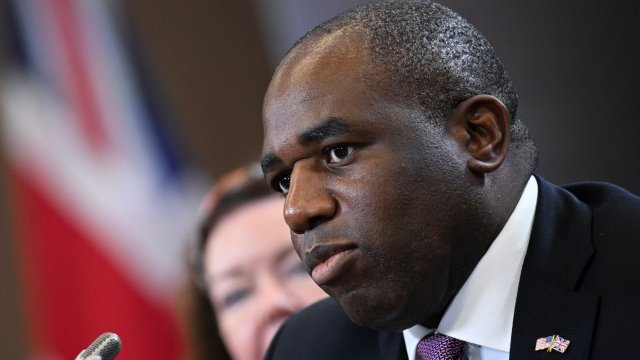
391	131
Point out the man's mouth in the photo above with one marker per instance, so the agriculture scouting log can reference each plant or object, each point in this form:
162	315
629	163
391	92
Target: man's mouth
327	261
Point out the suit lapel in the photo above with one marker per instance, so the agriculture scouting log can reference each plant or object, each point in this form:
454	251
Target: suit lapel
550	310
559	249
391	346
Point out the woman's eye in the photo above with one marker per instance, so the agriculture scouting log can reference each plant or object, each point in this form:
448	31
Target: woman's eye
235	297
282	183
339	153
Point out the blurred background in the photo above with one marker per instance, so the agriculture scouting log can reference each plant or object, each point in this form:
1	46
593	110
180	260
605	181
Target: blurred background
117	116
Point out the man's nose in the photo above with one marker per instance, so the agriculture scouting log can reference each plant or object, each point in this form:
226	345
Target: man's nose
308	203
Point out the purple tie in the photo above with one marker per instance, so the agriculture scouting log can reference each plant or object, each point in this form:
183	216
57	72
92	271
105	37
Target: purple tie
440	347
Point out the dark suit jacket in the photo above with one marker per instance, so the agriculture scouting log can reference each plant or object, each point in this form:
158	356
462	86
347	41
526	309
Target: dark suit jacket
580	280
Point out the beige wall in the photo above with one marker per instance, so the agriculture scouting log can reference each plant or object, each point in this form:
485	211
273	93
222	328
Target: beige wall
12	330
214	68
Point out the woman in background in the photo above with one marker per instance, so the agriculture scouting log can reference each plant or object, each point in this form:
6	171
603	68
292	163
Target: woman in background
250	277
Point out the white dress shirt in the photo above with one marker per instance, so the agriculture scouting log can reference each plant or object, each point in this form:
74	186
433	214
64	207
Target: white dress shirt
482	312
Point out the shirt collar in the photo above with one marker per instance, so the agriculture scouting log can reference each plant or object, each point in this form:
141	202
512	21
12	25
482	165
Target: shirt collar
482	311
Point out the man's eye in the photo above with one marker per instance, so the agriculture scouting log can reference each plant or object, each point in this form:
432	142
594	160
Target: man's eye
339	153
282	183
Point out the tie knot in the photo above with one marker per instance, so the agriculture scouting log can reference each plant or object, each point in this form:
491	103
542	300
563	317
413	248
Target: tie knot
440	347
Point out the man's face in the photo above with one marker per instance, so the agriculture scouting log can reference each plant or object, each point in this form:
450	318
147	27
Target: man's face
373	194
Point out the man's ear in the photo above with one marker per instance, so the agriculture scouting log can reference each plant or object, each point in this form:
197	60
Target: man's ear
481	126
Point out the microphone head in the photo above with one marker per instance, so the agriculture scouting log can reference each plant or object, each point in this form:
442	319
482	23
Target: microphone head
107	346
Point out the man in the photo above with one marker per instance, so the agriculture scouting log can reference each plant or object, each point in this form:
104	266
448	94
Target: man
393	133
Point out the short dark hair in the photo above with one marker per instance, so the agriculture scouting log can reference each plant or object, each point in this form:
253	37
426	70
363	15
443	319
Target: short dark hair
433	57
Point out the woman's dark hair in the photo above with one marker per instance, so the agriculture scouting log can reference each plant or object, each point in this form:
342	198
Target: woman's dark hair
231	191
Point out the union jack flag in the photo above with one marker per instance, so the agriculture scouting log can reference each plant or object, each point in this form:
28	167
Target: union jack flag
104	198
560	344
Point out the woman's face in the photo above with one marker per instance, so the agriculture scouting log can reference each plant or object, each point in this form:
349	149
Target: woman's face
254	277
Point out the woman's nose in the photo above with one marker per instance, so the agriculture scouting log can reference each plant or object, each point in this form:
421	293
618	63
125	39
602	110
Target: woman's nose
276	301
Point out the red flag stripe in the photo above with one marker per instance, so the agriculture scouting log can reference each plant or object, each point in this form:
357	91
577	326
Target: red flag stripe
82	94
75	293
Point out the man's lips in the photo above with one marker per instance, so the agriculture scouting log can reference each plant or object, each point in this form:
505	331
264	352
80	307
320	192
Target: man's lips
324	261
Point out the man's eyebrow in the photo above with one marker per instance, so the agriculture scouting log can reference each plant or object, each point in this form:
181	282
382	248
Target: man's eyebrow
269	161
330	127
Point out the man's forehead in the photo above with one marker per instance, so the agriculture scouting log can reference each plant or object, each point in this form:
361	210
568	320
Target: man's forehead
314	83
340	41
310	74
321	53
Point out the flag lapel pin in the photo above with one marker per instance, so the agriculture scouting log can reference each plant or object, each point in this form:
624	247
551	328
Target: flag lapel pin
552	343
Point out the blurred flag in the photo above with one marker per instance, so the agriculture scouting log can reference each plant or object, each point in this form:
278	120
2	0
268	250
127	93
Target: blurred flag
104	205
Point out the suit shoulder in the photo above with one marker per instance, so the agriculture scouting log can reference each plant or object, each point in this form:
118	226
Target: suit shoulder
605	198
615	214
323	331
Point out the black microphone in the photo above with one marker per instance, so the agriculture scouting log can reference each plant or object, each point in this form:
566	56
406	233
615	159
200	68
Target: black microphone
107	346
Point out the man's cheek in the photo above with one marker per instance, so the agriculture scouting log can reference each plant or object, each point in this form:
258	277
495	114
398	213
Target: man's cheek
298	243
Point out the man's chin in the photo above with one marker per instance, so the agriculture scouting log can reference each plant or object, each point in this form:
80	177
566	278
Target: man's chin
373	312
